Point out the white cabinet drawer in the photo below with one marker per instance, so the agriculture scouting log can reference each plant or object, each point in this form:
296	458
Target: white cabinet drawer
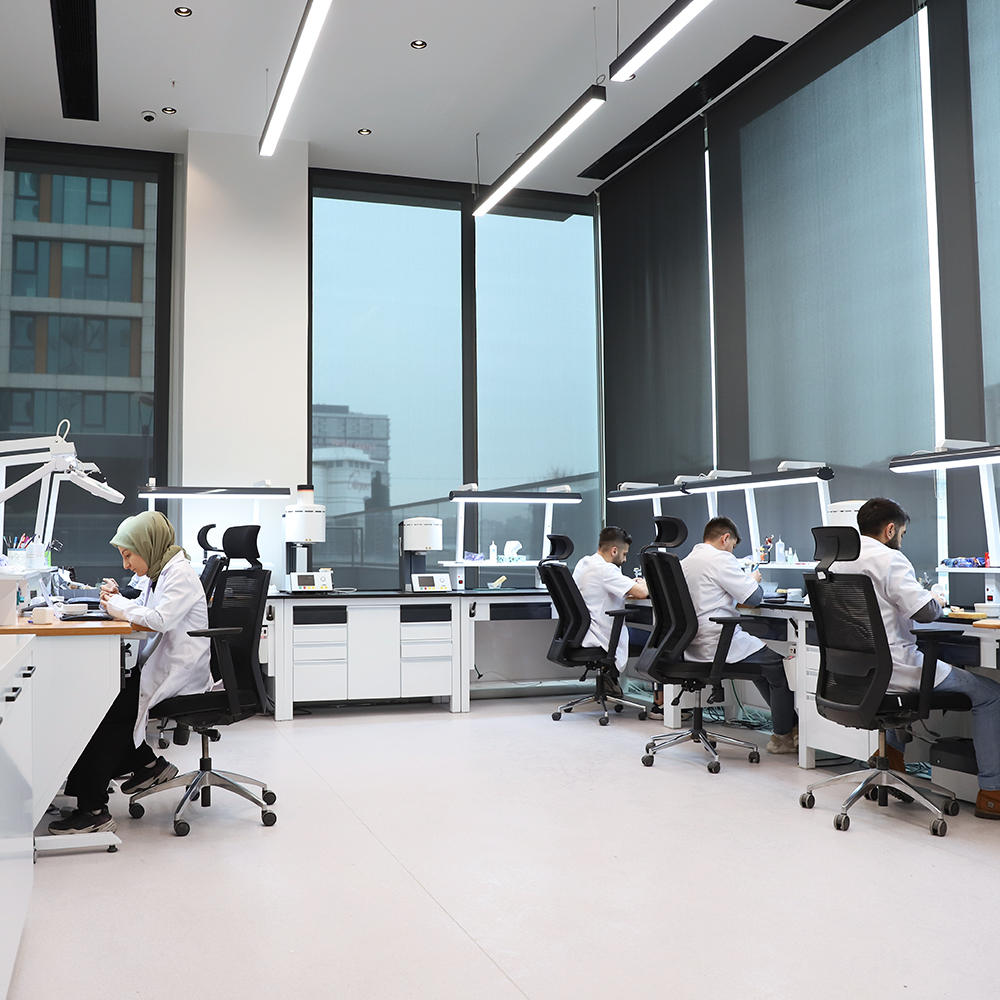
320	652
320	681
437	649
422	678
318	633
425	630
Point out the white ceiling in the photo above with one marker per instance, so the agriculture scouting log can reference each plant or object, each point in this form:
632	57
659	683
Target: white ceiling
504	68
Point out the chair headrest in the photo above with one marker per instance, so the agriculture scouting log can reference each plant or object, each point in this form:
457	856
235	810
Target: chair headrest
203	541
240	542
835	544
670	532
561	547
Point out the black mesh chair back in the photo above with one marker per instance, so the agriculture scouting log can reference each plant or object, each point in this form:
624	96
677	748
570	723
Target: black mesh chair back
574	618
214	565
238	602
675	623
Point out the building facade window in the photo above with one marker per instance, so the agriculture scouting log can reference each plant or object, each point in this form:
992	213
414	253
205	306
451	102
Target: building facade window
84	326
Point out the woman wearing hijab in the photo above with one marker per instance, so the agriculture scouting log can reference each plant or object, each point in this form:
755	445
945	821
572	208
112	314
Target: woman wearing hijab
171	602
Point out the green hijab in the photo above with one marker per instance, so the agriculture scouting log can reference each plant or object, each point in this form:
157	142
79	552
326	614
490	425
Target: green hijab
151	537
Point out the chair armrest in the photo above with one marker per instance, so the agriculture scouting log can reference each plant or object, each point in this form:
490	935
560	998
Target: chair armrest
616	630
929	641
220	640
216	632
728	624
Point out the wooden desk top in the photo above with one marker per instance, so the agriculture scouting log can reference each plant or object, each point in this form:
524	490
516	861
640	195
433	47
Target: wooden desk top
68	627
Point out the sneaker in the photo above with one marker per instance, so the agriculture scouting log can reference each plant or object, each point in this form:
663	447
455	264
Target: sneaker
160	770
656	710
84	821
789	743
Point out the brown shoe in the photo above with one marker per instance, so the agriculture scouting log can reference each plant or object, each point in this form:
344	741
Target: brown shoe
988	804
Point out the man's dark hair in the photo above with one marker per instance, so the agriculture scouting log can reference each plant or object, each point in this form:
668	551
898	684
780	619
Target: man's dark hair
718	527
877	513
613	535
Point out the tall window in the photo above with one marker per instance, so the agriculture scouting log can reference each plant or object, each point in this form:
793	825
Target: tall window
446	350
838	299
536	356
84	253
386	375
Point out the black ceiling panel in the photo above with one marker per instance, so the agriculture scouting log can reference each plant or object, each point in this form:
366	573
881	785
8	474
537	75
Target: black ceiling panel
715	82
74	27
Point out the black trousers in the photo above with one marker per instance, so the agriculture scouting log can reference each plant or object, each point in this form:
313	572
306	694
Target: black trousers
111	751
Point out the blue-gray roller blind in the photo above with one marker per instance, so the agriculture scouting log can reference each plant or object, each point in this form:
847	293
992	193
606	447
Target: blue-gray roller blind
839	348
984	48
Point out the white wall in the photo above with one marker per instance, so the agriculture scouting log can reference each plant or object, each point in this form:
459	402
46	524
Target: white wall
243	329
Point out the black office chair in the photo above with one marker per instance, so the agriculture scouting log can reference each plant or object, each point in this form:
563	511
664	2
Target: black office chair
675	625
234	619
567	645
855	671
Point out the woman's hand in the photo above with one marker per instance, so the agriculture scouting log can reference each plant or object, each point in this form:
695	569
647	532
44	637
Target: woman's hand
109	588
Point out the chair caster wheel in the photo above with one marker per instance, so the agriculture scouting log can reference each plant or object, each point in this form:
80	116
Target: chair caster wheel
181	828
951	808
568	710
753	757
871	794
643	714
269	797
714	767
556	716
807	800
136	810
647	761
112	848
268	818
603	720
162	744
841	821
649	746
938	827
618	708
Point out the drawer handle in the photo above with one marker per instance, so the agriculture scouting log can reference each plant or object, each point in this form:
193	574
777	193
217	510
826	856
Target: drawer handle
29	672
13	695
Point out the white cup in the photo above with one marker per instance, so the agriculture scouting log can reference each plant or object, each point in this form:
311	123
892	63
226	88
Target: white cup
794	593
42	616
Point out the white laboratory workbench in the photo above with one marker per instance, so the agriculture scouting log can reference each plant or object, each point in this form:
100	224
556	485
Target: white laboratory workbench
380	645
802	665
56	683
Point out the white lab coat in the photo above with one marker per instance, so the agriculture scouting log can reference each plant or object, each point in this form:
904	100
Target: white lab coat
603	587
717	583
900	597
179	663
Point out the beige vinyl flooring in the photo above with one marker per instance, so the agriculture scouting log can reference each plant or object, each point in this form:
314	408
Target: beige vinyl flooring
499	855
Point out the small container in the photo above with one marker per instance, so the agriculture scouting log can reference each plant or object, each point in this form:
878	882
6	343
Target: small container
493	552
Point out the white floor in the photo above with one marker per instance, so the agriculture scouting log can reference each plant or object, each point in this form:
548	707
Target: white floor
499	854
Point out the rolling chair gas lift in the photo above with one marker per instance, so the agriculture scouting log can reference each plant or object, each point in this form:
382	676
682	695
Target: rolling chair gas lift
675	624
234	618
854	673
574	620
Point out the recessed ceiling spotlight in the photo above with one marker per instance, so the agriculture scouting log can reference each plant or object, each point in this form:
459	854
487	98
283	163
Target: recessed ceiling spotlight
364	131
169	111
632	77
183	11
418	43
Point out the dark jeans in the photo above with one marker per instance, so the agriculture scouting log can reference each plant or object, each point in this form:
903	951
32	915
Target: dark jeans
110	751
774	689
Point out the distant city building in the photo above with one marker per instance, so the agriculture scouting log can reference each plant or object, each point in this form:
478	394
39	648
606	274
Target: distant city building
350	458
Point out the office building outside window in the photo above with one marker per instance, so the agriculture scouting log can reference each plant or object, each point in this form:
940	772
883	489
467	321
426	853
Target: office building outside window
81	260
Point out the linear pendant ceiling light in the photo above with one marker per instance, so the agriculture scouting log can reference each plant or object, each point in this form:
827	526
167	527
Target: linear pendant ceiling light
553	136
673	20
288	86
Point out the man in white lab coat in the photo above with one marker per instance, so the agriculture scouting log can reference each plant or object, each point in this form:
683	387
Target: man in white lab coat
718	583
604	588
882	523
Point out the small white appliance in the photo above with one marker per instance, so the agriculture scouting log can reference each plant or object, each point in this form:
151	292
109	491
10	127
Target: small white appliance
305	525
430	581
417	536
320	579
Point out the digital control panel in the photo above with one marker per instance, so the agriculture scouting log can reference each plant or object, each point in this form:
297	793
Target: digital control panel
320	579
430	581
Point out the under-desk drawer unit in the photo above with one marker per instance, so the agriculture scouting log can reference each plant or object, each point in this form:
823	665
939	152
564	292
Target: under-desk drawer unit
425	650
319	653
